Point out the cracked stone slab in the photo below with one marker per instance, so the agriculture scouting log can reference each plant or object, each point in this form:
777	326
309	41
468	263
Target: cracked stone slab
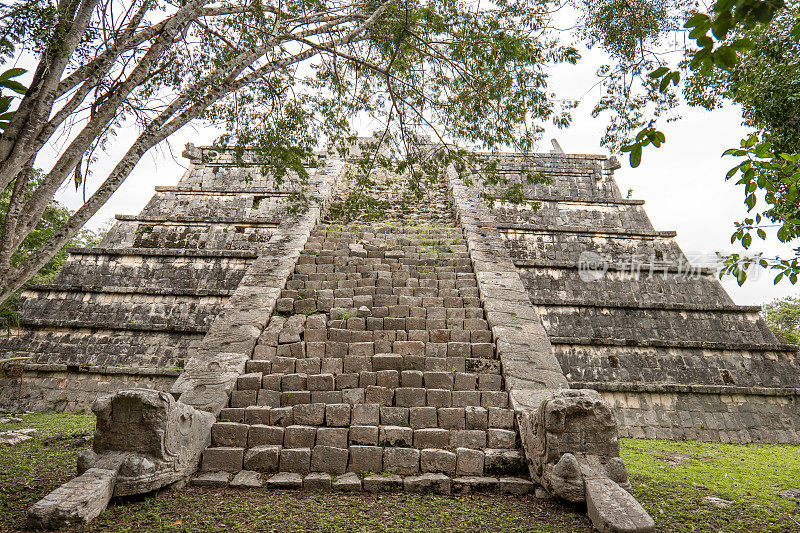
212	479
613	509
75	502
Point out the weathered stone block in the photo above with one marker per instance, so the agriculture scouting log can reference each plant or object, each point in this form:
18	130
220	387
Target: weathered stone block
438	461
403	461
260	435
476	417
468	438
388	378
285	481
381	483
410	397
317	482
312	414
349	482
268	398
501	418
411	379
297	436
431	438
338	414
502	438
335	437
451	418
76	502
379	395
423	417
228	459
364	435
281	416
262	458
395	436
320	382
295	460
504	463
427	484
469	462
394	416
515	485
474	484
232	414
366	414
247	479
365	459
329	459
229	434
256	414
465	398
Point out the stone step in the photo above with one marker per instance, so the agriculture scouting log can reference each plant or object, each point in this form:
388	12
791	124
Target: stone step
365	460
376	483
407	384
343	415
306	436
356	364
372	344
401	397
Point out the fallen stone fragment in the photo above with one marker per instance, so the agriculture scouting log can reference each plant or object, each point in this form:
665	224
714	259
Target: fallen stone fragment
317	482
211	479
247	479
790	493
427	484
474	484
717	502
17	436
515	485
285	480
76	502
349	482
381	483
612	509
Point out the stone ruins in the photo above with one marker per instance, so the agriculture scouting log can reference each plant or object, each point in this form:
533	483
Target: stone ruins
455	345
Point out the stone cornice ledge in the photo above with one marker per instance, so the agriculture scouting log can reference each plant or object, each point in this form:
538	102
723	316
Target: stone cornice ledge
625	386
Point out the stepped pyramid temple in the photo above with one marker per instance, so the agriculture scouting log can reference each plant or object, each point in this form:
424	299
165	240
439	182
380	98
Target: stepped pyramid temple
451	344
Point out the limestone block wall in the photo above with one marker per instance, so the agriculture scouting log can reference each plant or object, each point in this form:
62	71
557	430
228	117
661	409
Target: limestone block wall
134	310
714	413
73	388
657	336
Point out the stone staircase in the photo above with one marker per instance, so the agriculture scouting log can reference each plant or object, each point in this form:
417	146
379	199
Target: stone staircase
378	362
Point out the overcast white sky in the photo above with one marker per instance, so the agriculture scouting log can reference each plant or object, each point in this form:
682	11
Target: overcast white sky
682	182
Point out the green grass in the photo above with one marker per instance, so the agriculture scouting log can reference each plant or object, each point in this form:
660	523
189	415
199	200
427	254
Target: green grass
669	478
672	478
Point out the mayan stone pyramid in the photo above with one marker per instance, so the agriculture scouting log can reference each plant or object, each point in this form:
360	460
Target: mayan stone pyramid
666	347
426	339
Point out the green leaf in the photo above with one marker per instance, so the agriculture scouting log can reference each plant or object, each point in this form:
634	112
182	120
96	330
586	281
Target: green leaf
636	155
15	86
723	5
696	19
741	277
762	234
725	57
12	73
777	278
747	240
742	45
795	31
660	71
